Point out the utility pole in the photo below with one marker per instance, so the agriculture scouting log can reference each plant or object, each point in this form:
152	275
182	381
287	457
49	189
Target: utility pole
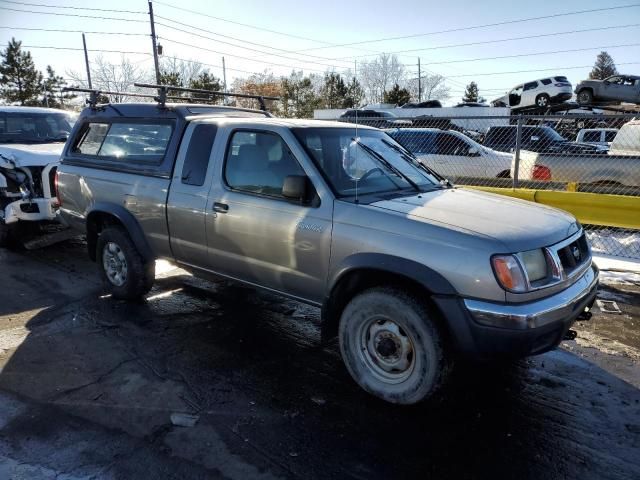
419	82
153	43
224	81
86	61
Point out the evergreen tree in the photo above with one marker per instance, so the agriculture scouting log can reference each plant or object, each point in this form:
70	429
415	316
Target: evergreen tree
397	95
355	94
20	82
206	81
334	91
471	94
52	87
299	97
171	78
604	67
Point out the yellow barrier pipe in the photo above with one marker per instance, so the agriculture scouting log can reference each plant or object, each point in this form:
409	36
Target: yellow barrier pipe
590	208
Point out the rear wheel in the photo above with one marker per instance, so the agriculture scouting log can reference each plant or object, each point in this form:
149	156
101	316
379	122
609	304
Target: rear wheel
392	347
585	97
123	270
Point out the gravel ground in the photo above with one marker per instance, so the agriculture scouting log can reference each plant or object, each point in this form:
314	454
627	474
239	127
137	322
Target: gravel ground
91	387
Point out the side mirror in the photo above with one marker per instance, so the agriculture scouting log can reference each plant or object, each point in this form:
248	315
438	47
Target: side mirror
296	187
473	152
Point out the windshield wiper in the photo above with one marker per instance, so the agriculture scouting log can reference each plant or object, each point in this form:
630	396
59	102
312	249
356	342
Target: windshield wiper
417	163
387	164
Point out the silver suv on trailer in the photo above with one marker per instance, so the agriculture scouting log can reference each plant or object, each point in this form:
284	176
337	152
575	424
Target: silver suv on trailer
409	271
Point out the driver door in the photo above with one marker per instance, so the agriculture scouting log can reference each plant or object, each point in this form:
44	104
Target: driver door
257	235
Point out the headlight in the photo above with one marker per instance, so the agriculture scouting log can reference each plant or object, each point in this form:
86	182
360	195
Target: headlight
535	264
515	273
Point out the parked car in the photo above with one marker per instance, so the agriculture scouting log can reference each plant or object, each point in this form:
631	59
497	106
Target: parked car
470	104
533	138
617	88
374	118
618	167
597	136
453	154
409	271
540	93
627	141
31	142
425	104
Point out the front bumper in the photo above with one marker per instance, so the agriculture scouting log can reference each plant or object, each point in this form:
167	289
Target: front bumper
34	210
488	329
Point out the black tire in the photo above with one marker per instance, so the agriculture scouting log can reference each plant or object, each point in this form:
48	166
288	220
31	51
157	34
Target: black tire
585	97
380	331
504	174
123	270
543	101
5	235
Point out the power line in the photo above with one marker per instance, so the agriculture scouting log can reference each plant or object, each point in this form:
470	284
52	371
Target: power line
255	27
236	45
534	54
89	49
71	8
60	30
474	27
533	71
73	15
239	56
485	42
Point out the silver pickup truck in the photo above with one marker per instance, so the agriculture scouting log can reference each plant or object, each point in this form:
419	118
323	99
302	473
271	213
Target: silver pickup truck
409	271
619	166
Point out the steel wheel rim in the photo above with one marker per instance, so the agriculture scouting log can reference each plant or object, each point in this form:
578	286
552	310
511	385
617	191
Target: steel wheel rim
386	349
114	263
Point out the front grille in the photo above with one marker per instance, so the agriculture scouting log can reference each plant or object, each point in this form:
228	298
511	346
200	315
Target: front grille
574	255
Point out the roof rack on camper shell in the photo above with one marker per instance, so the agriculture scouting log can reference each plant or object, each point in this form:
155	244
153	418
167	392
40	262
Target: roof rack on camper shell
163	94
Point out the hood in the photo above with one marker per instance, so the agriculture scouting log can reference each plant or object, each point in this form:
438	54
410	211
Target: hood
32	155
518	224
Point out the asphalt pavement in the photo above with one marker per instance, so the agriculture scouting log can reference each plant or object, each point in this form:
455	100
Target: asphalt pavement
217	380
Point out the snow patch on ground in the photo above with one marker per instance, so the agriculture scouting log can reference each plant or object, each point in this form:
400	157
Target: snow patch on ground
617	270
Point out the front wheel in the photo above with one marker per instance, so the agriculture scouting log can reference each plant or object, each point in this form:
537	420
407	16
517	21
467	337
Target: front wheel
392	347
123	270
543	100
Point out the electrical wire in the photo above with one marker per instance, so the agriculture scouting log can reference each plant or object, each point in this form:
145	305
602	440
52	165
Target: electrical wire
60	30
533	71
73	15
88	49
71	8
239	56
239	46
519	55
475	27
485	42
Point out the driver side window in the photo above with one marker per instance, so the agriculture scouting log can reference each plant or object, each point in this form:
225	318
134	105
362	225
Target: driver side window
258	162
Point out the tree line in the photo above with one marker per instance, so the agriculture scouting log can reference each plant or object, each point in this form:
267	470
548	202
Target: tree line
380	80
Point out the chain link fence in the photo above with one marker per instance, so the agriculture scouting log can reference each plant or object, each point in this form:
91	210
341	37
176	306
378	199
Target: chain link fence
585	152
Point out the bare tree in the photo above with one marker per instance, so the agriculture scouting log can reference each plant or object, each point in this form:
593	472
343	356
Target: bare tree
379	75
434	87
114	77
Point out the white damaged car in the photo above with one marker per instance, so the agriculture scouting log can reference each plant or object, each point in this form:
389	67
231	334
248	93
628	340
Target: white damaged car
31	142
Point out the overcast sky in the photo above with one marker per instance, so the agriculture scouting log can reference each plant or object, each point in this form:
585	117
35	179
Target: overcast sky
313	28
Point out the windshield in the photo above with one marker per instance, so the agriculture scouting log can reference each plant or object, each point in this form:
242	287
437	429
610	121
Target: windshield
34	127
550	134
369	162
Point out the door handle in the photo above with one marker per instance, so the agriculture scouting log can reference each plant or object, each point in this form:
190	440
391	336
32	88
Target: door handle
220	207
